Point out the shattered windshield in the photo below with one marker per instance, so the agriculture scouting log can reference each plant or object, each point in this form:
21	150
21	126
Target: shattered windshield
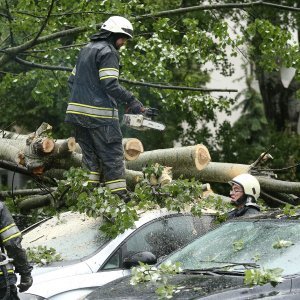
268	243
72	235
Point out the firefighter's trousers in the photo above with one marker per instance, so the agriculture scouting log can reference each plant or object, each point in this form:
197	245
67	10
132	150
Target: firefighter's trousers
102	152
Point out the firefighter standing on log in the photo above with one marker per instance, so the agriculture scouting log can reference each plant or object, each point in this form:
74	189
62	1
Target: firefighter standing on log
93	107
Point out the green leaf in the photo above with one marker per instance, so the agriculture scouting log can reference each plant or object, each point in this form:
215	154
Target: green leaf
282	244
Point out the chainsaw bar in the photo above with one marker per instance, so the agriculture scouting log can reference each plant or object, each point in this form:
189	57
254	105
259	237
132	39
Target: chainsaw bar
140	122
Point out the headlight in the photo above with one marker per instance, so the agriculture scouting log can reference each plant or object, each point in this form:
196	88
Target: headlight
26	296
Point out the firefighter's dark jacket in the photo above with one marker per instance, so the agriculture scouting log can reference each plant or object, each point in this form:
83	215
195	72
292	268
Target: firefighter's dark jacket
246	210
10	239
95	88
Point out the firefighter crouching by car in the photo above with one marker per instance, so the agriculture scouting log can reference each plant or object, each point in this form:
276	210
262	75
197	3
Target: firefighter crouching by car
13	258
93	107
245	190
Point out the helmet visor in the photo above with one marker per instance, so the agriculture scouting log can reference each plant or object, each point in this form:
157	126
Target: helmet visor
129	31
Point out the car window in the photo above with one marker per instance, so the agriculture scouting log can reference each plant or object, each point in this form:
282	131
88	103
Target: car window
167	234
72	235
114	261
246	241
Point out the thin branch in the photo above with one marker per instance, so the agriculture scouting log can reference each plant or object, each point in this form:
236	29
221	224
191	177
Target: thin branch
11	52
215	6
64	14
9	21
280	169
40	66
272	198
172	87
45	22
4	16
57	48
158	86
3	72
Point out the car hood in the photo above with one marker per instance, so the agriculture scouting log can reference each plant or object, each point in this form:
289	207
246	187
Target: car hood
191	287
47	280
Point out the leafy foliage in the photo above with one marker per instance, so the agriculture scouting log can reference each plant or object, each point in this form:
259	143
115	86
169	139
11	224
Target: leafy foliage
275	47
146	273
41	255
263	276
290	210
179	195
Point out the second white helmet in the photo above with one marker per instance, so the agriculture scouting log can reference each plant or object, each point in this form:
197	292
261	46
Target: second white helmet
249	183
117	24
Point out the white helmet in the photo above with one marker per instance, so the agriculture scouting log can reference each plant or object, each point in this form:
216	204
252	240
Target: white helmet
118	24
249	184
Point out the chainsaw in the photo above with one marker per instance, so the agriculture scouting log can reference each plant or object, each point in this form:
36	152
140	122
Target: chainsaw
143	121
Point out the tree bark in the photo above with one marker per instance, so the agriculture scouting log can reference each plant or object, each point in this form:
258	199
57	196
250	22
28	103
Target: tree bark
214	172
11	153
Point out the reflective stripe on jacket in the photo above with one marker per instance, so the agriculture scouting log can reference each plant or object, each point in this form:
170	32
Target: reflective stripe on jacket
9	232
10	239
95	88
92	111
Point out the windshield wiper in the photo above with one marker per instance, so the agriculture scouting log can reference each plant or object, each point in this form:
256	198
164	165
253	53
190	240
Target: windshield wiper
221	269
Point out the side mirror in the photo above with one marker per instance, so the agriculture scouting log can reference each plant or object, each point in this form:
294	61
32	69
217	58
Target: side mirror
134	259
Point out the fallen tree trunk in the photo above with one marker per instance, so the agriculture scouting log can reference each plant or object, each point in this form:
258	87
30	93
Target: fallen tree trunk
280	186
178	158
214	172
224	172
36	201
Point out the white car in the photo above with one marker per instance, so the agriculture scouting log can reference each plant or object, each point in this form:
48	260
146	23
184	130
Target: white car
90	259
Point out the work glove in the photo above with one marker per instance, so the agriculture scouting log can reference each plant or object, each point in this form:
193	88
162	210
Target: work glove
151	112
26	283
135	107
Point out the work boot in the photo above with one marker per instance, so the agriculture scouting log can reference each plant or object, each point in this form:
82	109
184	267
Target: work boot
124	195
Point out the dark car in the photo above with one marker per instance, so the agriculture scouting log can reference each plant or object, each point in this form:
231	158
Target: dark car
214	265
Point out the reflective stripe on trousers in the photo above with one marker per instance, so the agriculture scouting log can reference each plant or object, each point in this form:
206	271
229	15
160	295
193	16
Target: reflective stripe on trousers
116	185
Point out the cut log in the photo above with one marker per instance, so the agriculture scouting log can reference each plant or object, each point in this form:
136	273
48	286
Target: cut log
64	147
42	146
181	157
132	148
